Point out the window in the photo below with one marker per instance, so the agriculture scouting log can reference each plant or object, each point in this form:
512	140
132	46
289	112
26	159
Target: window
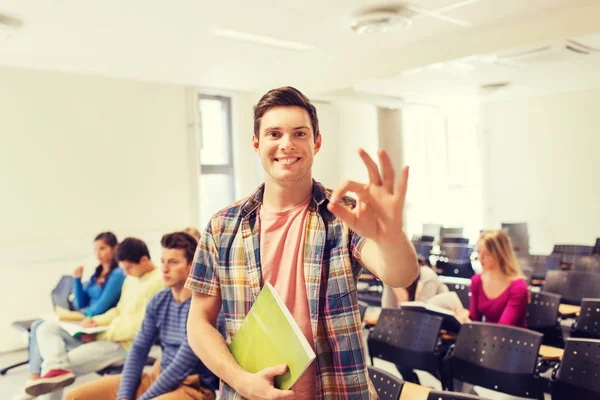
445	185
214	140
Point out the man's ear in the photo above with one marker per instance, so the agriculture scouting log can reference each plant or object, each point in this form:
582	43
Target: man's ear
318	143
255	143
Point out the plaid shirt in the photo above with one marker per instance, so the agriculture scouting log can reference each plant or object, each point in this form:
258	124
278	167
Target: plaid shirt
227	263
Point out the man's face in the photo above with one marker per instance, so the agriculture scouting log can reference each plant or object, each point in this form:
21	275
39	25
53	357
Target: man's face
175	267
286	146
133	269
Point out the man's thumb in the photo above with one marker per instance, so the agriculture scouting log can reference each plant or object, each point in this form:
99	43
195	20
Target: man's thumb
272	372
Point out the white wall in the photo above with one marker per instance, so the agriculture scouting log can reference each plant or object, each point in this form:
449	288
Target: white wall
80	155
541	166
358	128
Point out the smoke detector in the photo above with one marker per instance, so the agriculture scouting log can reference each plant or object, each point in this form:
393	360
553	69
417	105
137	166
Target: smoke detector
380	21
9	26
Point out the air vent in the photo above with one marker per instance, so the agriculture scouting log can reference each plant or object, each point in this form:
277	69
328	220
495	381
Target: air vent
374	21
9	26
564	50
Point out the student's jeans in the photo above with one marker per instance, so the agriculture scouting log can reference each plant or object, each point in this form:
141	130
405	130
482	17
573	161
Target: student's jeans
35	358
59	350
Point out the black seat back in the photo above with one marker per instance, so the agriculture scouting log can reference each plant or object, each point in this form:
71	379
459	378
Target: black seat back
62	291
542	264
423	249
388	386
542	310
572	286
587	264
569	252
579	373
407	338
455	260
455	239
423	238
588	323
596	250
439	395
497	357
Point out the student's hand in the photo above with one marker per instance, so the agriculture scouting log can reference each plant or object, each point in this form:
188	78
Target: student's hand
462	315
380	205
78	273
260	386
88	323
87	338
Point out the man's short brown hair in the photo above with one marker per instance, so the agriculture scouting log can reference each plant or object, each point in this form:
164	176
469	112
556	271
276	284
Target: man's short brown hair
286	96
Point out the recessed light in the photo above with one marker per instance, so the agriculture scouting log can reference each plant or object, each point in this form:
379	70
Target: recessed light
263	40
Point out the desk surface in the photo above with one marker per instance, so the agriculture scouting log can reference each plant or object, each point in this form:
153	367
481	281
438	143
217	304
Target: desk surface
551	353
568	309
411	391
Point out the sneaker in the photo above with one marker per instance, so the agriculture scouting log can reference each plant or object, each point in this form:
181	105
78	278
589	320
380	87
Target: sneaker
54	379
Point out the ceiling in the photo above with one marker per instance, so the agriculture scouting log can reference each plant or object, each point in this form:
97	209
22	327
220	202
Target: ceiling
498	76
148	40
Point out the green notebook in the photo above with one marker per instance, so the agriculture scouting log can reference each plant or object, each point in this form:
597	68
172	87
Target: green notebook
270	336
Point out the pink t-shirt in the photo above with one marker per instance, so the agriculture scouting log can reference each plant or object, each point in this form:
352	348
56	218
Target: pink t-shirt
509	308
282	264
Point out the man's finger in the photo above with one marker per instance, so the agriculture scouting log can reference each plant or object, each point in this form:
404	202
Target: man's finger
400	193
374	176
272	372
343	213
347	186
387	170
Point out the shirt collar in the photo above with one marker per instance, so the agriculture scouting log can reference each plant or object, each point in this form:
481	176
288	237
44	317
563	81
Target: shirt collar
319	195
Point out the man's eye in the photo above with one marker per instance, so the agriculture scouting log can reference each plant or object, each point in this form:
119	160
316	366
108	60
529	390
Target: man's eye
300	133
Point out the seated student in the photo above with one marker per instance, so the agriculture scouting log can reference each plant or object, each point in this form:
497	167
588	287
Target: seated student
180	374
423	289
103	290
66	357
99	294
499	294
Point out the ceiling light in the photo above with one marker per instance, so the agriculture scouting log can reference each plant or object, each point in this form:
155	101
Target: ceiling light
380	21
9	26
263	40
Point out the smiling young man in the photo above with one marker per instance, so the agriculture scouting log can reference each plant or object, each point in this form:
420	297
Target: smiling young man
311	245
180	374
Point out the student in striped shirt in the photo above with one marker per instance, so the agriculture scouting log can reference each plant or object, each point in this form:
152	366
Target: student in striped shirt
180	374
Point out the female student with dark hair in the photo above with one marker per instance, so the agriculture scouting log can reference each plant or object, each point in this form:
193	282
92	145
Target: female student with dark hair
94	297
499	294
102	291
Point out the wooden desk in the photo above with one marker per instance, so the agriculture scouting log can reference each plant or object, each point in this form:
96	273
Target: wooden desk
371	316
550	353
568	310
411	391
366	277
537	282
